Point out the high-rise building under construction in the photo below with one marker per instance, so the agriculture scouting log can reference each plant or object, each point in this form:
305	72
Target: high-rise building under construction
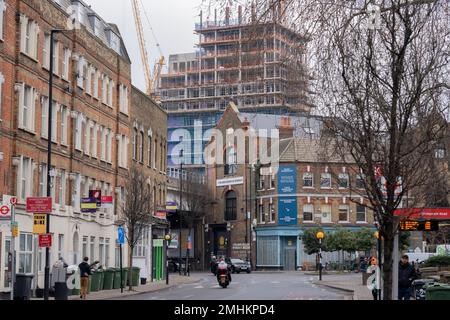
257	63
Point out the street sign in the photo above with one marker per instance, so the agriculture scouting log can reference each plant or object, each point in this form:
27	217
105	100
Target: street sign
39	205
89	205
412	225
241	246
13	201
5	212
121	235
15	229
107	202
97	194
45	240
40	223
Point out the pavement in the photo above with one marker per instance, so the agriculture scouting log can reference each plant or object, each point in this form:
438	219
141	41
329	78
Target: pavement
350	283
174	280
260	286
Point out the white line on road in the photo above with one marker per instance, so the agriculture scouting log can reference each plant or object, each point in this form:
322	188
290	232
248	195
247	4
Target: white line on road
275	282
199	287
189	296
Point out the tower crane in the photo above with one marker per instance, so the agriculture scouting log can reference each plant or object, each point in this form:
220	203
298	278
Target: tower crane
151	80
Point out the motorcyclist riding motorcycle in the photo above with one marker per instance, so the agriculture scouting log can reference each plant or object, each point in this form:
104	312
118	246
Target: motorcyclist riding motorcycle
223	274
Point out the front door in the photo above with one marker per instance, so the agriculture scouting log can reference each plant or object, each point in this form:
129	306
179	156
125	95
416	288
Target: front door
289	259
5	249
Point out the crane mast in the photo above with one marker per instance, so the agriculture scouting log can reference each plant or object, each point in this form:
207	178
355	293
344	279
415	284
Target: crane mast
142	46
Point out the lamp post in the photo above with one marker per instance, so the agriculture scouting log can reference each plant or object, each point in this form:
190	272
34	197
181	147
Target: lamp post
168	238
320	235
180	210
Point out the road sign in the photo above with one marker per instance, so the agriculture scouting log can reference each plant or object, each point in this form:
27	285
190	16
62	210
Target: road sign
107	202
121	235
13	201
5	212
15	229
97	194
39	205
241	246
40	223
88	205
45	240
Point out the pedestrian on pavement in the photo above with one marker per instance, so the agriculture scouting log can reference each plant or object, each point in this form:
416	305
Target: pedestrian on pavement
406	275
85	272
373	270
363	265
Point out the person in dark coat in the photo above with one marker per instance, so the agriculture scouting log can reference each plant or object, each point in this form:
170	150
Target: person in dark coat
406	275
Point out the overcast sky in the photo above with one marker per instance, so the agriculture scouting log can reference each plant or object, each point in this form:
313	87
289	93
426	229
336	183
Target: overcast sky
172	21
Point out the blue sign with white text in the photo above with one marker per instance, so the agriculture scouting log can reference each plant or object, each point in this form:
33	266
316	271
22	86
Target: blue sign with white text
121	235
287	205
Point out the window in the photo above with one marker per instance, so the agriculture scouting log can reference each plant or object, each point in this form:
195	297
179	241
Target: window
361	213
308	180
25	178
92	249
230	206
326	213
102	143
123	99
308	212
85	247
44	117
343	180
96	77
94	130
360	181
54	122
87	136
343	213
46	52
272	182
26	253
2	80
262	214
101	251
62	188
155	143
141	147
134	144
76	187
230	161
77	131
439	153
123	154
261	184
325	181
80	72
60	246
271	212
66	63
107	248
29	33
109	136
27	100
2	13
43	180
89	80
63	133
149	151
56	57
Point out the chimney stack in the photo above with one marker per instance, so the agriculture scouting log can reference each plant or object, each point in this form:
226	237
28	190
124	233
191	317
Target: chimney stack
286	128
227	15
240	14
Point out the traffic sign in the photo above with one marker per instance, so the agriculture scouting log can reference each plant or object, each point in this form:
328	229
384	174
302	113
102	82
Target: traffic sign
39	205
15	229
45	240
121	235
40	223
13	201
5	212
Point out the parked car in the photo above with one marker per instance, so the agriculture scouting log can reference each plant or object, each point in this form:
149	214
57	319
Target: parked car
174	264
238	265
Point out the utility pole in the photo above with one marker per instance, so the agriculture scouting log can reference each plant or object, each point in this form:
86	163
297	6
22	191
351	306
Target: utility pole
180	209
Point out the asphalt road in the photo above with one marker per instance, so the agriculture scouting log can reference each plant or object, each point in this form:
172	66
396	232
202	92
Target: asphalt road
255	286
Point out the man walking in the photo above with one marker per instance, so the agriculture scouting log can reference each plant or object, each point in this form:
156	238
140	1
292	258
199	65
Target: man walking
406	275
85	272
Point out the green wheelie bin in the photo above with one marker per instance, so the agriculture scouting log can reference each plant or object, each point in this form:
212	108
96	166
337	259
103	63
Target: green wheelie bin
101	277
438	291
125	276
108	279
116	281
94	281
135	276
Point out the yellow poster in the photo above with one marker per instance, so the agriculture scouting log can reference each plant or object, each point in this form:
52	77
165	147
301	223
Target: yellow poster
40	226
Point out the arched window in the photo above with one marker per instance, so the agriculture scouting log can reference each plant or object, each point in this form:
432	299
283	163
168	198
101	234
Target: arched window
135	144
230	161
230	206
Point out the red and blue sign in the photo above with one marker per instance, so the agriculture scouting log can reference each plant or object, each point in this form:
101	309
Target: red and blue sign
287	201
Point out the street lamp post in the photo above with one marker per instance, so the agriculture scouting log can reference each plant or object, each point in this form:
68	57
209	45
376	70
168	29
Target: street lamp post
180	210
320	235
168	238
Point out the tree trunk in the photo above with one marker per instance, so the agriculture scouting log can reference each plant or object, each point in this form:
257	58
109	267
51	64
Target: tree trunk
130	270
388	249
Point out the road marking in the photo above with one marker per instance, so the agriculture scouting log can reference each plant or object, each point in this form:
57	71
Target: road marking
275	282
199	287
189	296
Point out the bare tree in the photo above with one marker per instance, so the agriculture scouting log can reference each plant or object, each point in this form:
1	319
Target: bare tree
137	211
381	74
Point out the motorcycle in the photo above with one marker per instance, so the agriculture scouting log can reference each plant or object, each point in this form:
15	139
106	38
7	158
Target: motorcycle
223	277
